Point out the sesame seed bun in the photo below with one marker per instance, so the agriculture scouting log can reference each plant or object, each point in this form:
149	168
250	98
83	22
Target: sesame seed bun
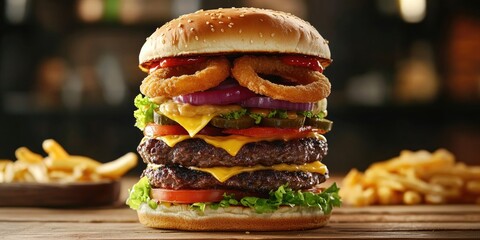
181	217
235	30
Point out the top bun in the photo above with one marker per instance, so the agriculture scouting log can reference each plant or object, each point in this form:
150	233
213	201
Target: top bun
235	30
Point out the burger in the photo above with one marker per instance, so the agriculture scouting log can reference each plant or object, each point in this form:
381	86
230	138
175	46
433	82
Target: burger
233	115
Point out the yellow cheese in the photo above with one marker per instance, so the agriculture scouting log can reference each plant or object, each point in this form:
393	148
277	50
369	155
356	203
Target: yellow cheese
193	125
222	174
171	140
232	144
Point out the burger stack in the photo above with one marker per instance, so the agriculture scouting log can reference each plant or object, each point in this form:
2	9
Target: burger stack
233	114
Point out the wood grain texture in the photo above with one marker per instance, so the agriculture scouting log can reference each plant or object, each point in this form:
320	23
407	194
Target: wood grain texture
59	194
119	222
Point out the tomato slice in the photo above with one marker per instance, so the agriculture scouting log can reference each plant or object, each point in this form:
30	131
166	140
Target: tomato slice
175	61
190	196
303	61
153	129
272	132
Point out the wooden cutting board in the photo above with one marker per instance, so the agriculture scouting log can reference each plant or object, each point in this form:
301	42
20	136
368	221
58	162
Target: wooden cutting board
412	222
59	194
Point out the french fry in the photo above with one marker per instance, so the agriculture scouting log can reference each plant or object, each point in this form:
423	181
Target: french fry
9	174
473	187
39	172
411	198
59	166
54	149
69	163
3	163
119	167
447	181
25	155
414	178
434	199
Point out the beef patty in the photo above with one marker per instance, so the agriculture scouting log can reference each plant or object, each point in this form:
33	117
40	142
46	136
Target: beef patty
177	177
198	153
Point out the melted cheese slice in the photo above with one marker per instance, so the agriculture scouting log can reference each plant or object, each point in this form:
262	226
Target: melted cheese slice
232	144
193	125
222	174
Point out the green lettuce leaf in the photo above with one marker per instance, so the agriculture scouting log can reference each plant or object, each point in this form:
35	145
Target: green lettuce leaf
310	114
144	113
283	196
140	193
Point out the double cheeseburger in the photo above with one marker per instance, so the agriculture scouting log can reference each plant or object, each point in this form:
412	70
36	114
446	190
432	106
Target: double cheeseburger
233	114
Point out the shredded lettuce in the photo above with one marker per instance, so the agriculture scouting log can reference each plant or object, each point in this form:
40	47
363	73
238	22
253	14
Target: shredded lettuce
283	196
310	114
277	114
235	114
257	117
144	113
140	193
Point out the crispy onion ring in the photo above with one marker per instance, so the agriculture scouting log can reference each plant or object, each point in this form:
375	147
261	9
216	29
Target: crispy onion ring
184	79
311	86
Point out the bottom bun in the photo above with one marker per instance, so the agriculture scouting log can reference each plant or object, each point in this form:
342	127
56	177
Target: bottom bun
181	217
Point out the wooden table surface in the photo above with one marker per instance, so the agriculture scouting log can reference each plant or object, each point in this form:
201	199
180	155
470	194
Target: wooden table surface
120	222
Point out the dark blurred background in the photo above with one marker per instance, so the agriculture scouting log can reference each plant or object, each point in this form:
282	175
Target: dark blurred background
405	75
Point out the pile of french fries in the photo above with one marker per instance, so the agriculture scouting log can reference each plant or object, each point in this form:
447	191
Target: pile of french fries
412	178
61	167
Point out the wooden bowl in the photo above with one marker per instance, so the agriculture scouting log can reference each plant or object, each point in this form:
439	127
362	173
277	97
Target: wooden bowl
59	194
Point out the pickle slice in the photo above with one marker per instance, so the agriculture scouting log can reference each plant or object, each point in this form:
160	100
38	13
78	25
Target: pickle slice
162	119
320	123
283	122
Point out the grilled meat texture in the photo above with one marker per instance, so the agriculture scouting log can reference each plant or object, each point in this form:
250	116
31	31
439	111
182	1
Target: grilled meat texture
177	177
198	153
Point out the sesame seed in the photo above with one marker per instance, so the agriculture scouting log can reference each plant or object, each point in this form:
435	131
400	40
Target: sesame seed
251	41
261	35
221	30
242	15
213	18
220	22
212	29
207	22
326	41
192	29
240	31
180	25
196	37
190	20
211	26
272	35
261	20
206	14
229	17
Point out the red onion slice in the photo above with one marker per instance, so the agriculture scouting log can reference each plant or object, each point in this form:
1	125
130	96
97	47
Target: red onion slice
270	103
216	97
